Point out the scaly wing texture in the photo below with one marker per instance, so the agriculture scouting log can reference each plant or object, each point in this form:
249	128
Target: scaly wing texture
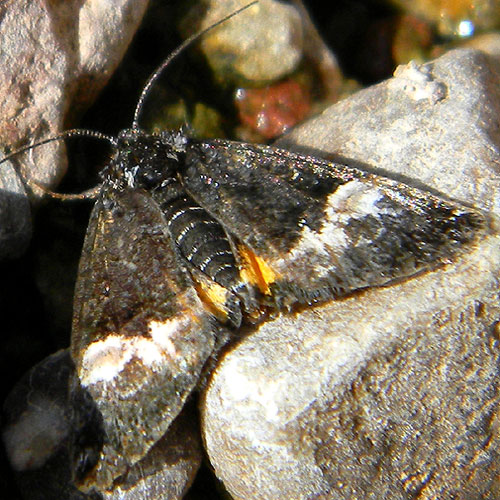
320	228
140	333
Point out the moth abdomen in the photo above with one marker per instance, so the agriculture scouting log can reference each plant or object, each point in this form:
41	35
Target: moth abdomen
202	241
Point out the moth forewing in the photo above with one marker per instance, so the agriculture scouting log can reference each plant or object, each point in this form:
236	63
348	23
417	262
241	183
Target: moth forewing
325	229
140	334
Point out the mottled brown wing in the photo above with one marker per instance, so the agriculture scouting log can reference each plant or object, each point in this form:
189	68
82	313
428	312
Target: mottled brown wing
140	334
321	229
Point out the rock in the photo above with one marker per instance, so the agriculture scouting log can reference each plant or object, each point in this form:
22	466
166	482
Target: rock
278	64
269	47
15	214
486	42
459	18
55	59
272	110
392	392
50	439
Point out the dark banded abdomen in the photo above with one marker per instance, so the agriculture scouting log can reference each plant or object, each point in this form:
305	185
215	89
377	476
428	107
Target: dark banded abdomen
202	241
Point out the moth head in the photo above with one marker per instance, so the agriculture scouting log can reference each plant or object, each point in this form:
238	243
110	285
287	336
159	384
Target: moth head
143	160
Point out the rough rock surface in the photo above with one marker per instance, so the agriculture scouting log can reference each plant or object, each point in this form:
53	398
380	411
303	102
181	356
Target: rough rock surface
55	57
391	393
269	47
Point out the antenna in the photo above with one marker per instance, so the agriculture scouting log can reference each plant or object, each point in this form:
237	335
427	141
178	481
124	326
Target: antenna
189	41
75	132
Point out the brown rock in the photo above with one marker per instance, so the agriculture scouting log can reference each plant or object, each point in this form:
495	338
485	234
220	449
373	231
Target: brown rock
55	57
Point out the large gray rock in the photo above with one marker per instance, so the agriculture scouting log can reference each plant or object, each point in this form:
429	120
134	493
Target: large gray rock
391	393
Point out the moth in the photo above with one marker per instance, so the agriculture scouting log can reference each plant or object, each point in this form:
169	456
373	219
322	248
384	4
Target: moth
190	239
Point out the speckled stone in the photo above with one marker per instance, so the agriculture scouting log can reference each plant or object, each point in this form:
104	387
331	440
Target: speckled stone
264	43
55	58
